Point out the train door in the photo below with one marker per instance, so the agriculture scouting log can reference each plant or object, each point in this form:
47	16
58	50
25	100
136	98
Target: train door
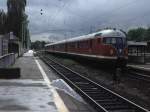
66	47
97	44
90	46
119	46
94	46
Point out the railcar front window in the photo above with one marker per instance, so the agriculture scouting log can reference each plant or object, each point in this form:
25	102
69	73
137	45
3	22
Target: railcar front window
124	41
112	40
107	40
119	41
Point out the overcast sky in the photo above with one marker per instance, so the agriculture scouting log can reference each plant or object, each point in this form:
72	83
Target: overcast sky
68	18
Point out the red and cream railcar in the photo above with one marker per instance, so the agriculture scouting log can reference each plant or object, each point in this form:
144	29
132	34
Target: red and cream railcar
106	45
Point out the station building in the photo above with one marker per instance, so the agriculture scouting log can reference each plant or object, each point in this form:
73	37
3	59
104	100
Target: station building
3	45
9	43
138	52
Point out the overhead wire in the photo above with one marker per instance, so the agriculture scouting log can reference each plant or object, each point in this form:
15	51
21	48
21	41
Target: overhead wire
60	9
57	13
113	12
136	18
132	19
104	15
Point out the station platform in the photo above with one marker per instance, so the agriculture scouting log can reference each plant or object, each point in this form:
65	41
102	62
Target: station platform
140	66
35	90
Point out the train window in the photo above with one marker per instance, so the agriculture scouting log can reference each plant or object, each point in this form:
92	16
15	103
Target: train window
83	44
124	41
90	43
76	44
107	40
99	34
113	41
99	40
72	45
119	40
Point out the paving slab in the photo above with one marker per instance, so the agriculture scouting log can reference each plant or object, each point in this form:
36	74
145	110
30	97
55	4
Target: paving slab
32	93
26	95
140	66
73	104
29	69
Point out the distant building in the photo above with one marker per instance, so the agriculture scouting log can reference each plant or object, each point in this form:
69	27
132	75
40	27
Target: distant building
3	45
137	51
9	43
137	48
148	46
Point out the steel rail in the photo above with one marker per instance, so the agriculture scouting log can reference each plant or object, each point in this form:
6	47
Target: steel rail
139	74
101	98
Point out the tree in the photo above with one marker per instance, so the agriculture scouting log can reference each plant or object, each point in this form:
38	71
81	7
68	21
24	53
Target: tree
18	4
147	35
16	16
17	20
3	19
38	45
136	34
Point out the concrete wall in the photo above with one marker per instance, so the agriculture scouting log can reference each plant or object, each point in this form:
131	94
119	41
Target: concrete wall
7	60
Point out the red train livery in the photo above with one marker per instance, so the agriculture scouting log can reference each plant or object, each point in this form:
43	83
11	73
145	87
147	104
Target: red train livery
107	46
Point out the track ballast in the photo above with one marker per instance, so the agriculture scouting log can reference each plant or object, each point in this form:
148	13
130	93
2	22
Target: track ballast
101	98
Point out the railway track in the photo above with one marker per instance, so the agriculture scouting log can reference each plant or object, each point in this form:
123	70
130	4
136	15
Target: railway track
139	74
101	98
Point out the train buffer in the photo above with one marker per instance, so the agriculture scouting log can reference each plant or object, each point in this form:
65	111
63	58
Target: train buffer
33	91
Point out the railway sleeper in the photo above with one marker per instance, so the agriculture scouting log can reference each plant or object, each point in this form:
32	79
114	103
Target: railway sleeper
86	87
100	94
96	90
93	90
81	82
89	89
111	103
76	79
117	107
101	97
84	84
106	100
59	68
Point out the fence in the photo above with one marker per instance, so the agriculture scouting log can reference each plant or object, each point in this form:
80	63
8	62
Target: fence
7	60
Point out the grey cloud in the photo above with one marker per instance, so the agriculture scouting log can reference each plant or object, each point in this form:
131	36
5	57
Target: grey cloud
79	17
3	5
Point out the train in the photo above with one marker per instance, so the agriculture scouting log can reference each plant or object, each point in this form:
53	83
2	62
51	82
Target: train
108	46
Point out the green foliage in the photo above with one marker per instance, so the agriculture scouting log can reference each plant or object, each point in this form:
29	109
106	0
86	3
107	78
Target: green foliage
147	35
15	21
38	45
16	16
139	34
3	19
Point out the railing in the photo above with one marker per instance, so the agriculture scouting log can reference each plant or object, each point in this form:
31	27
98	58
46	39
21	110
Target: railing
7	60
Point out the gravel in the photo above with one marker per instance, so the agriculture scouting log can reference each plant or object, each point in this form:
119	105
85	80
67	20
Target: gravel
134	90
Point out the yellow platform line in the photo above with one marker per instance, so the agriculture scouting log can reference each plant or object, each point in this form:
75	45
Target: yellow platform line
57	99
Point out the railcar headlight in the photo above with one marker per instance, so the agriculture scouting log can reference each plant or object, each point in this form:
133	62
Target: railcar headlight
111	52
126	51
